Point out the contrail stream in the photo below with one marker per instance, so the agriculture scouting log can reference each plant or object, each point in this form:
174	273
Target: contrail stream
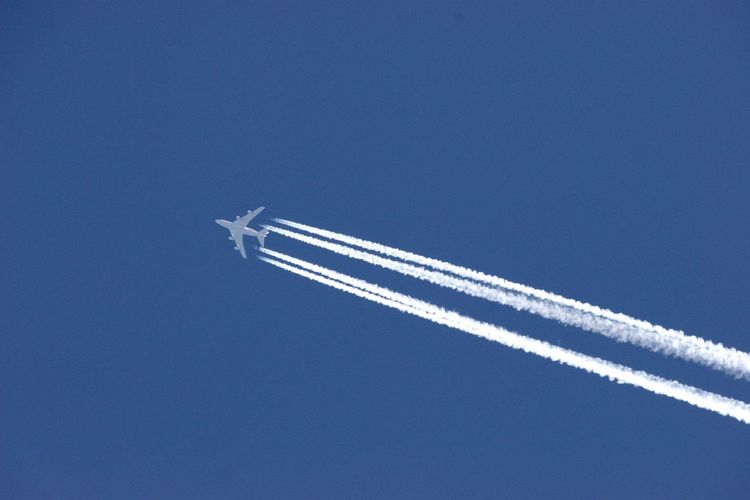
567	311
618	373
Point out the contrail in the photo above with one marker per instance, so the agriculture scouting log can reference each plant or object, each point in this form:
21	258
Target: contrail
669	342
617	373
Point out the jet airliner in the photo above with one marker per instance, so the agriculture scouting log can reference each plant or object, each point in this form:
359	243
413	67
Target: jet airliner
238	228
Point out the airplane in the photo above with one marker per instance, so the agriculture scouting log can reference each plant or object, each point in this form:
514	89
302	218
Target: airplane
238	228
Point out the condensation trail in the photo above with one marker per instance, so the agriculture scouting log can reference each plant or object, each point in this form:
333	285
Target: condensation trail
690	348
614	325
618	373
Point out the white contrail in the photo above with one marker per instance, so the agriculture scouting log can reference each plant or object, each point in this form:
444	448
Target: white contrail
618	373
669	342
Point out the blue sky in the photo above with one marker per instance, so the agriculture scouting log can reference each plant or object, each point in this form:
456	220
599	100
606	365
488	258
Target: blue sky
599	151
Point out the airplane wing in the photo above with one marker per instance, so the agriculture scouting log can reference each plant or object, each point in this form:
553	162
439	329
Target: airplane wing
250	216
240	244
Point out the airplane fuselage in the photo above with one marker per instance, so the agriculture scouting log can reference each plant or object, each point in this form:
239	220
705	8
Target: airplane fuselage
236	227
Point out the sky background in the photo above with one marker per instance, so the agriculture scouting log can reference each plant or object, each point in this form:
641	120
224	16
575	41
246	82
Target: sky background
599	151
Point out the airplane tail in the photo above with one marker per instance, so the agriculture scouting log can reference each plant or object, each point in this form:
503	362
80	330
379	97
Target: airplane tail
261	235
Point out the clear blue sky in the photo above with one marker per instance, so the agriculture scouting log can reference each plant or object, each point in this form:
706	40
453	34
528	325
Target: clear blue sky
599	151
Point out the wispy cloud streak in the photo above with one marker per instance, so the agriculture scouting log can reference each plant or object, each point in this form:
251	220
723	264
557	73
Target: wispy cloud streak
612	371
521	297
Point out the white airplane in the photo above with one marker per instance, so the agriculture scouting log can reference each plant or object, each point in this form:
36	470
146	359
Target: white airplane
239	228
